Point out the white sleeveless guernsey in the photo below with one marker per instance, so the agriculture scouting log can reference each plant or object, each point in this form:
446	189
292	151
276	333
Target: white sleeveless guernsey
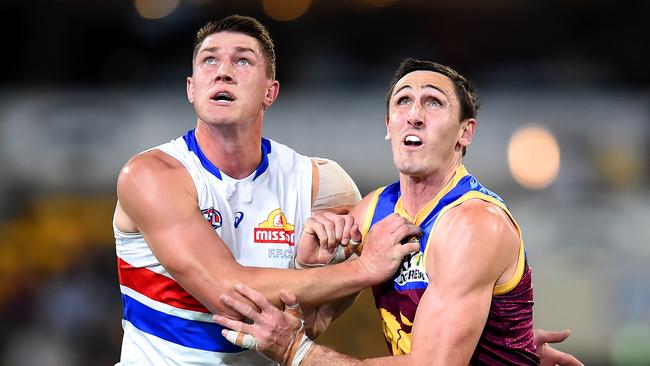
258	217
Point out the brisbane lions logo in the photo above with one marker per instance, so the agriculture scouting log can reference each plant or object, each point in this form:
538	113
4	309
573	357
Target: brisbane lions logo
212	216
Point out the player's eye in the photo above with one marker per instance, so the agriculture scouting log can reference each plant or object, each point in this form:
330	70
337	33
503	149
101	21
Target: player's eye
433	102
243	61
403	100
210	60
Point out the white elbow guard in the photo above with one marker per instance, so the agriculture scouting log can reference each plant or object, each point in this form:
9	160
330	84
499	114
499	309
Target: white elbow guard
335	187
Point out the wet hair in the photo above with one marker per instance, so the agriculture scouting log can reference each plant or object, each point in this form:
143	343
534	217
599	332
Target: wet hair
244	25
469	104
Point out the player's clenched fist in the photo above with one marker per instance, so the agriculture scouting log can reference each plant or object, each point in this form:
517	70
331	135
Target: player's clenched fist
327	238
382	249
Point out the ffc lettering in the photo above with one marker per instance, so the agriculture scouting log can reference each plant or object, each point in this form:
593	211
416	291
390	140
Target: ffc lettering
280	253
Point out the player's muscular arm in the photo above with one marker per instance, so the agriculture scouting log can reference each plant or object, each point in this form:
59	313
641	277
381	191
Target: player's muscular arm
452	313
472	247
158	195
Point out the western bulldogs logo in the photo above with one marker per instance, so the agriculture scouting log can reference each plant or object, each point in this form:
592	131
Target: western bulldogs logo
213	217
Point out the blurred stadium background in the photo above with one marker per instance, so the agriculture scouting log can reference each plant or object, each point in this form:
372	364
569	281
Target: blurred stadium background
563	135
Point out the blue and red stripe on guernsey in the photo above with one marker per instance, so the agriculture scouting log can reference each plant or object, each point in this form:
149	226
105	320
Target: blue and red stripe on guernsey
158	305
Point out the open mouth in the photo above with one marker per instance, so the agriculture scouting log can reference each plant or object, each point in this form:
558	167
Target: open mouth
411	140
223	96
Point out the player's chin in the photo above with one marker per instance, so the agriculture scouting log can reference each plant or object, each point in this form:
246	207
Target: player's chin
412	168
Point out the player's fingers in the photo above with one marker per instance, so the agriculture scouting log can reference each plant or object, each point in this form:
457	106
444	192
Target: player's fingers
240	339
561	358
355	235
347	228
256	297
545	336
339	225
407	248
308	227
388	223
333	226
318	229
326	236
394	221
225	322
405	231
246	310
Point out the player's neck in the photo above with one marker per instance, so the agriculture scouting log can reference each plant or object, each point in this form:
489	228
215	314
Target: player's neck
235	150
416	192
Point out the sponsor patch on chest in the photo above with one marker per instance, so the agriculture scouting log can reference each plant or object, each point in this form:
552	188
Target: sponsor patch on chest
274	230
412	271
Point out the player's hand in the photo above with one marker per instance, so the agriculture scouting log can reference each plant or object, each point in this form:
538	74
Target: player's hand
327	238
548	355
279	335
382	248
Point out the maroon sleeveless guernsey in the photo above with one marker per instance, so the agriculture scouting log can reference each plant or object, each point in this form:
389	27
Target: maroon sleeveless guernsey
507	338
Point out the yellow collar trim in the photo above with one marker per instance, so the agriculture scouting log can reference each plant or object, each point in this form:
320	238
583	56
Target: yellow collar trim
461	171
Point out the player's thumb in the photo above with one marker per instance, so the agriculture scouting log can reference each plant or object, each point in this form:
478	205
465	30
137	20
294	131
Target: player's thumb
355	234
545	336
408	248
291	304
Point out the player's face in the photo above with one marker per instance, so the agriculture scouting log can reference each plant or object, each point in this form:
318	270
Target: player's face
229	84
424	123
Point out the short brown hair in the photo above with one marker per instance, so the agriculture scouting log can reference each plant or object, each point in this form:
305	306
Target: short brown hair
244	25
465	93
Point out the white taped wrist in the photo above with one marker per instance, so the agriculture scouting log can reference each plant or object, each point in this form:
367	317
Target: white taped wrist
303	350
339	255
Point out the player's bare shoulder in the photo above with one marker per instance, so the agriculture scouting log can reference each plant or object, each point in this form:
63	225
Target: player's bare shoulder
484	220
149	162
150	176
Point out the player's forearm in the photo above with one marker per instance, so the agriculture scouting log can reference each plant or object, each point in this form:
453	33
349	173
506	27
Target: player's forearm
313	287
323	356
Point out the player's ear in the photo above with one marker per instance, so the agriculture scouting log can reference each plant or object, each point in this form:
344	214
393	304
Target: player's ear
190	90
387	137
272	91
466	132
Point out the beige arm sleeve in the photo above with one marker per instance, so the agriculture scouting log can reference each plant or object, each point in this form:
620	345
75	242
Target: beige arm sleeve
335	187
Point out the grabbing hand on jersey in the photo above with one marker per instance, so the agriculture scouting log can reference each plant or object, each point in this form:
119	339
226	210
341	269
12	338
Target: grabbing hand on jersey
279	335
382	248
327	238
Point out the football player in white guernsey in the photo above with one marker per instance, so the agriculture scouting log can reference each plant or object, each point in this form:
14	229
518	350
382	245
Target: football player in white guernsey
221	204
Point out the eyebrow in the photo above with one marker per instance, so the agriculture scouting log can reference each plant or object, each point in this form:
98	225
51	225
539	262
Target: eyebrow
422	87
238	49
